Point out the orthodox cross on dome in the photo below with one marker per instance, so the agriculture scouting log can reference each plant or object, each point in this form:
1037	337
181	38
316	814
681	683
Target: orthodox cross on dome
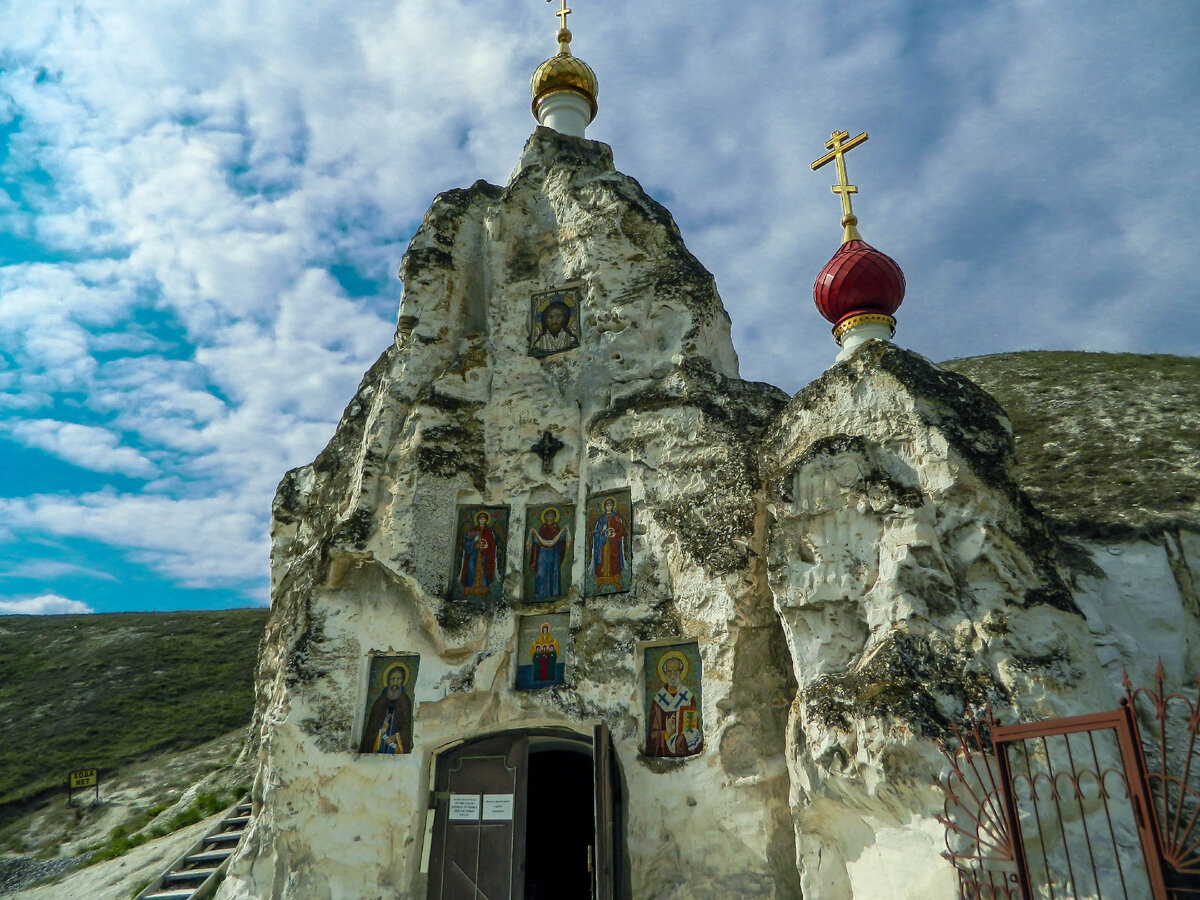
843	187
562	13
546	448
564	33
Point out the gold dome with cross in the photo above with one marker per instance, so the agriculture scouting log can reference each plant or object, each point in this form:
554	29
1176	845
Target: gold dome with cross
564	72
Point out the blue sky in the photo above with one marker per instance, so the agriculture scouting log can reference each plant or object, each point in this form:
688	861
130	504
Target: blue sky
204	206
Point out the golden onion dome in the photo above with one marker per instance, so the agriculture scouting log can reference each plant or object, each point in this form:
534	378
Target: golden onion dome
564	72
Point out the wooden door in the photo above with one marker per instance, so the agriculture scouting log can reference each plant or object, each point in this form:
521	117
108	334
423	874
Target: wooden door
478	850
608	809
478	845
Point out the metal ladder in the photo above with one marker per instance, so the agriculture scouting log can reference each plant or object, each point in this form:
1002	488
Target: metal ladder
196	874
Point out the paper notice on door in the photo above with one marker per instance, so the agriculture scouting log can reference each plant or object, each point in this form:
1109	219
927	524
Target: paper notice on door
497	807
464	807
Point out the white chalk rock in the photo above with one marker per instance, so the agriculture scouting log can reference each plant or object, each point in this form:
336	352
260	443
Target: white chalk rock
914	580
364	548
857	567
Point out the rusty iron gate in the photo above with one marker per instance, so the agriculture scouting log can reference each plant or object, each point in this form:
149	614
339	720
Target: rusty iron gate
1092	807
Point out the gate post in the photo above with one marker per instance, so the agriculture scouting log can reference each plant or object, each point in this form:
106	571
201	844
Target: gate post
1011	818
1137	774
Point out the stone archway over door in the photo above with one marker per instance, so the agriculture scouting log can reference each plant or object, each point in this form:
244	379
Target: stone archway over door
478	844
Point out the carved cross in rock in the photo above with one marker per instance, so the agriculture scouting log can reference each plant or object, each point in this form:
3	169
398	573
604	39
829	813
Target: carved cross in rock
546	448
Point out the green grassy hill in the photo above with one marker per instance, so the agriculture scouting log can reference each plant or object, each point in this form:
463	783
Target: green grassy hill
102	691
1108	444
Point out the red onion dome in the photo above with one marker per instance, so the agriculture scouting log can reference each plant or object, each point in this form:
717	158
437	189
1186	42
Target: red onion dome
858	282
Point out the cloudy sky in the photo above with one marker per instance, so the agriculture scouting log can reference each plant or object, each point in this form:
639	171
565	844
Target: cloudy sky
204	206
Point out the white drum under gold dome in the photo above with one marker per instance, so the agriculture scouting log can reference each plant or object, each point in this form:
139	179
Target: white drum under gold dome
564	88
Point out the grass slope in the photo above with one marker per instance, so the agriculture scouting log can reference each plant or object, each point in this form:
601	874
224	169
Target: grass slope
102	691
1108	444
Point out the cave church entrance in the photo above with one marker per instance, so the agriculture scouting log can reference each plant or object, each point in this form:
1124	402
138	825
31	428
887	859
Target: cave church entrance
533	814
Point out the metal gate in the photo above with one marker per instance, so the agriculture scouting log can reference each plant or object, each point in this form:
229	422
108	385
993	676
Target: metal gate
1081	808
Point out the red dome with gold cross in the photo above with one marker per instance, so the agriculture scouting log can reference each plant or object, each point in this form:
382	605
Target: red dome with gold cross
858	281
859	288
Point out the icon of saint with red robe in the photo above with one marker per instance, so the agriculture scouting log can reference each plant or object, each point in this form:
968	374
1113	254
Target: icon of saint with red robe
674	721
478	569
544	654
610	549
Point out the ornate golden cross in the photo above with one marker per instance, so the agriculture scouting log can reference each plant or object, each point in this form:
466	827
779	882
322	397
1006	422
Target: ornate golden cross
843	187
562	13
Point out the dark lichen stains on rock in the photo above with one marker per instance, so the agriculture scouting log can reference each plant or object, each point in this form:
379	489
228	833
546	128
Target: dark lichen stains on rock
742	407
522	263
906	680
712	527
430	248
455	614
833	445
356	530
420	260
1055	594
455	446
288	506
449	207
306	625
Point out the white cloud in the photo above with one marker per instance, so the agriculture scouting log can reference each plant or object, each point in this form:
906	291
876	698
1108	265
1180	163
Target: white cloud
208	541
87	446
1030	168
45	568
45	605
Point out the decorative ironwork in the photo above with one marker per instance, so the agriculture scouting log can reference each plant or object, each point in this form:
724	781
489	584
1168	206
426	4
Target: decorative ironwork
1172	780
1080	805
1094	806
978	840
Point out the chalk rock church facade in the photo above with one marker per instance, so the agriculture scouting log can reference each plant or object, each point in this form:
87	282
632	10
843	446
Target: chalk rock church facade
568	609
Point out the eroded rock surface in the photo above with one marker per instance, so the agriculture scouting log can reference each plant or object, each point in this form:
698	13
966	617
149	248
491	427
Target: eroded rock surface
916	580
858	565
1108	448
363	542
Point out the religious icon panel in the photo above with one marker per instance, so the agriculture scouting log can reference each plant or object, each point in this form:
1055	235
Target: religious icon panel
387	725
554	322
542	643
609	537
673	726
481	537
548	551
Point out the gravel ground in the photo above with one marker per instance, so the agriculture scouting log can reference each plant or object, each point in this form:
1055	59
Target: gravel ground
17	872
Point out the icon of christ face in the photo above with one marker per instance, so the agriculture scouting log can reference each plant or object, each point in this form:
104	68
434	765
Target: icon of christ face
554	324
555	318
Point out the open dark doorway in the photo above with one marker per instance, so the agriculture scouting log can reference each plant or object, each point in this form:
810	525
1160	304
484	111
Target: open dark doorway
516	813
560	829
